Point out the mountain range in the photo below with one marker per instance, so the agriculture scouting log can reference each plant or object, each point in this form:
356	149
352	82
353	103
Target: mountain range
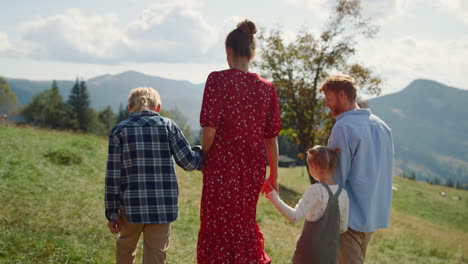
113	90
427	118
430	129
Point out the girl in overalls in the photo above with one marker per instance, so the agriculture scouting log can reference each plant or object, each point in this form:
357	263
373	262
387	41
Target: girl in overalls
325	207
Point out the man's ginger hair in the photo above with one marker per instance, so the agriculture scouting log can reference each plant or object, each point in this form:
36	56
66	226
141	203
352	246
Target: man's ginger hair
339	82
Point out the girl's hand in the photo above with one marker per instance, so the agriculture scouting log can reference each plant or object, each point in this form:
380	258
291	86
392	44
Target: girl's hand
268	187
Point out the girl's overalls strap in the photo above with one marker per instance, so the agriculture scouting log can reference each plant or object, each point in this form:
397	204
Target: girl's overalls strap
330	193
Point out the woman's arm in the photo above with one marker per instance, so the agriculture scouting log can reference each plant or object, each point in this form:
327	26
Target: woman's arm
271	145
207	139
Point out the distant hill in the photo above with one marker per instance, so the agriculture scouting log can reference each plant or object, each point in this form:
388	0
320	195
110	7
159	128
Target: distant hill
430	128
113	90
428	119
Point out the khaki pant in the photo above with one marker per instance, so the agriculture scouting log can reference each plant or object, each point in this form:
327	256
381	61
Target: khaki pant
353	246
155	238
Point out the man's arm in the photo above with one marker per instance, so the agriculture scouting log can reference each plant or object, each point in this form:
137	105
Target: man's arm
340	138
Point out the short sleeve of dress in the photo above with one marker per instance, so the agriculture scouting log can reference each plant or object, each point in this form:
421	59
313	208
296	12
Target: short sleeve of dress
212	105
273	123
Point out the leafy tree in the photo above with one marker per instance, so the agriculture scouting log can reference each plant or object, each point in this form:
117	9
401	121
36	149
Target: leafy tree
122	114
47	109
94	124
450	182
298	68
79	102
288	147
8	100
181	121
108	119
35	112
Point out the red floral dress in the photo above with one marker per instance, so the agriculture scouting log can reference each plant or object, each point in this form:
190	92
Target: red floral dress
244	109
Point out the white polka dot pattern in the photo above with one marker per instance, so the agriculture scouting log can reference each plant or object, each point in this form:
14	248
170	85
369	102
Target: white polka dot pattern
243	107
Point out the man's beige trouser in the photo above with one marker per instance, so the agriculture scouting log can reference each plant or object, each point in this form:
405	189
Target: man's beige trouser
353	246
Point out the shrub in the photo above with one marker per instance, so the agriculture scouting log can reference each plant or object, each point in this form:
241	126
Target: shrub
63	157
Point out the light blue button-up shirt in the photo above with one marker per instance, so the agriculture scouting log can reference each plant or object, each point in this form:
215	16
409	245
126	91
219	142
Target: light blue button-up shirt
365	167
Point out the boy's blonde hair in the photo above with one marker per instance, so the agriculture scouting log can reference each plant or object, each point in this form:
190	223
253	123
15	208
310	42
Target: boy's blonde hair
324	157
144	99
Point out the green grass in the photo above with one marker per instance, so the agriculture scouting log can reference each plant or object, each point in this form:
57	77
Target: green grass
51	209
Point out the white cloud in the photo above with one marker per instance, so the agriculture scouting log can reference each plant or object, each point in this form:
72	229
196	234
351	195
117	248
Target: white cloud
319	8
402	60
72	36
381	11
169	32
4	42
457	8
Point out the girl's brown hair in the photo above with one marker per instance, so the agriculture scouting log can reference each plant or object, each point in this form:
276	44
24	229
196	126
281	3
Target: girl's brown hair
324	157
242	40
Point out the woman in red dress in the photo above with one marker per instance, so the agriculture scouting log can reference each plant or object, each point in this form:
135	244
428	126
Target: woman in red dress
240	119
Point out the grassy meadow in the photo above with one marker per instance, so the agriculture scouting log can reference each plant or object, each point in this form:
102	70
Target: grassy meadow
52	209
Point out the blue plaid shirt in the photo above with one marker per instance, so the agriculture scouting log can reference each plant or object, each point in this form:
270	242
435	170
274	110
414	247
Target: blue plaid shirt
140	176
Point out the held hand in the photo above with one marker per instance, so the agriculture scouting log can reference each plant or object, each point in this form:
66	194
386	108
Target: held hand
265	188
268	187
114	227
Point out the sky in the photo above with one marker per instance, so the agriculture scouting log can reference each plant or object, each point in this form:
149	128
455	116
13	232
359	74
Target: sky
184	39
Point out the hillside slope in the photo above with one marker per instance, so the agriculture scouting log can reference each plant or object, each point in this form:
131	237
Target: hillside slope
51	209
430	129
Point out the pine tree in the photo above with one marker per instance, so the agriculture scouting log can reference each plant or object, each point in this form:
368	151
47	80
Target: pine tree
78	103
55	116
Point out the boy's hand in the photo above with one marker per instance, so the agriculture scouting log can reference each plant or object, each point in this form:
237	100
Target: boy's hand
114	227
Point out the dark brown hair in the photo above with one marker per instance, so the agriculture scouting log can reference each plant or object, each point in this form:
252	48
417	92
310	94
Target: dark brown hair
242	40
339	82
324	157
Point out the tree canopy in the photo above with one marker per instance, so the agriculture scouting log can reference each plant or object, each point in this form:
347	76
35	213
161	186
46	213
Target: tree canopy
8	100
298	68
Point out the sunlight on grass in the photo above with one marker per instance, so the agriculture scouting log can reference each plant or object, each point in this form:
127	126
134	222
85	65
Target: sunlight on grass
54	213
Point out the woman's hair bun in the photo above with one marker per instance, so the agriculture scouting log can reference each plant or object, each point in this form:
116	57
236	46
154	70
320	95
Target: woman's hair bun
247	27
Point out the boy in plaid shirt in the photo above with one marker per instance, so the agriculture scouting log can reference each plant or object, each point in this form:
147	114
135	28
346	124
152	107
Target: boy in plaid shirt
141	189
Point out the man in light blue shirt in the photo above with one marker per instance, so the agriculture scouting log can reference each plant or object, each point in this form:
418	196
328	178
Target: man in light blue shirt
365	165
